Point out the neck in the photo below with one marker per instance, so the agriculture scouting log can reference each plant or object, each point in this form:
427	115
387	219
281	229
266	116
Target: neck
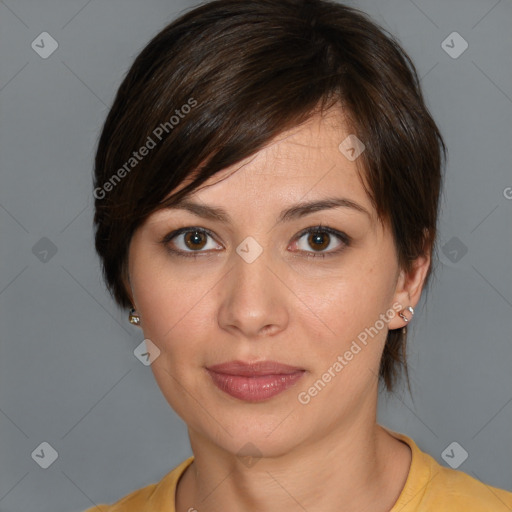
353	468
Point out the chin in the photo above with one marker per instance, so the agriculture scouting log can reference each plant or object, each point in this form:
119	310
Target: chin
255	434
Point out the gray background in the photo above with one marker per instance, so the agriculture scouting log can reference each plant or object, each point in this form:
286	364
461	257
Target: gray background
68	375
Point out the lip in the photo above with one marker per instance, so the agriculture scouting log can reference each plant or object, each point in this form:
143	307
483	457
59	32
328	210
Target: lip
254	382
247	369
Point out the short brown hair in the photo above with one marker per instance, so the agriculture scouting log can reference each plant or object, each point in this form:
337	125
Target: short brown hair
217	84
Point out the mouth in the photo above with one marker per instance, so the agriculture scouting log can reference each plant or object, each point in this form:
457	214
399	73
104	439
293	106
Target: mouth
254	382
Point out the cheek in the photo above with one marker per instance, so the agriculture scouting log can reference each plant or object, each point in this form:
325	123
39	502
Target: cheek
348	321
345	357
175	306
174	318
351	299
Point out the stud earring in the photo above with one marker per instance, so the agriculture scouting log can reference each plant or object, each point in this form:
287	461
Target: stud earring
133	317
403	317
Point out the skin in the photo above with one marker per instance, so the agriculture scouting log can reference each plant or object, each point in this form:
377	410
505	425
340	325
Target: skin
284	306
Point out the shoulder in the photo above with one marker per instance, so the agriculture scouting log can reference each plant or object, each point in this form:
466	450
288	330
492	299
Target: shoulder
156	497
134	501
456	488
431	486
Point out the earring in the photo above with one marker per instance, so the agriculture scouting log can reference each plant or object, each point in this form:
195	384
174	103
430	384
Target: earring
403	317
133	317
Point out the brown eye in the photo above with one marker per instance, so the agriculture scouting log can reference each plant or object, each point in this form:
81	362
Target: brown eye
195	240
321	241
318	240
190	241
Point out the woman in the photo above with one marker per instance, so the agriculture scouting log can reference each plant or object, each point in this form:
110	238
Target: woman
267	187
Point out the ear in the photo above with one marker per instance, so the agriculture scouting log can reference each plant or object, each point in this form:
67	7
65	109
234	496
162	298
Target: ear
408	289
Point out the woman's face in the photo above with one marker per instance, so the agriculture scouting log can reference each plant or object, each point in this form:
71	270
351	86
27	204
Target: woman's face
261	285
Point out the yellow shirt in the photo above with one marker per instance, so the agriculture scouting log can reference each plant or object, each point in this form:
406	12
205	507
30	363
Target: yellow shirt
429	487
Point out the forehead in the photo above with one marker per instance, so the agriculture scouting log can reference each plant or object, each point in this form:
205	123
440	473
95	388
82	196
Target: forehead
298	149
305	160
302	164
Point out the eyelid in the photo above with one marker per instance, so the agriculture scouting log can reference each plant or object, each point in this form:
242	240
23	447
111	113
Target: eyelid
345	239
173	234
186	229
325	229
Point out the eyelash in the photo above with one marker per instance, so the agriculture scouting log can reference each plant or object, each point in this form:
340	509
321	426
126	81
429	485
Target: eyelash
345	239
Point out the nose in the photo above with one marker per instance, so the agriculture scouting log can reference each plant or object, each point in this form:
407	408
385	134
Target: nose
253	301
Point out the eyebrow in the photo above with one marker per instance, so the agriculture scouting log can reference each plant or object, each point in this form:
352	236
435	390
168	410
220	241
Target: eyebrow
294	212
